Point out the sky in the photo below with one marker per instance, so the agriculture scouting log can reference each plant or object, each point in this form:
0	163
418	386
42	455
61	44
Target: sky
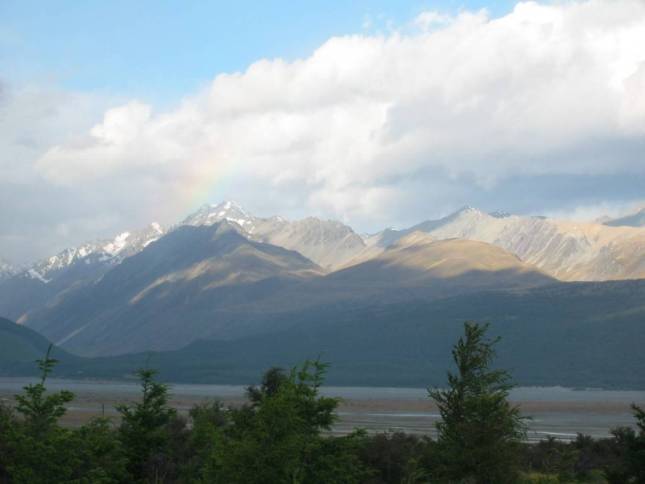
376	113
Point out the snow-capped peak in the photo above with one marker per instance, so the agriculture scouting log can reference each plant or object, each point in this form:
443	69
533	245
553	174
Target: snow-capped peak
228	210
117	245
105	252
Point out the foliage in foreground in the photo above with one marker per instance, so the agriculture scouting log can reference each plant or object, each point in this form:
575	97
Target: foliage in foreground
479	431
282	436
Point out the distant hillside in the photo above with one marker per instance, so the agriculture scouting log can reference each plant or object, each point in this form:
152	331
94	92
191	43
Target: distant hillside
18	343
582	334
212	282
567	250
636	219
573	334
170	293
20	347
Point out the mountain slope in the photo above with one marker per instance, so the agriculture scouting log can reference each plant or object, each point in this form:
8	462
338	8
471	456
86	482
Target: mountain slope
419	259
328	243
211	281
69	270
636	219
582	334
569	334
183	285
20	344
105	252
563	249
418	268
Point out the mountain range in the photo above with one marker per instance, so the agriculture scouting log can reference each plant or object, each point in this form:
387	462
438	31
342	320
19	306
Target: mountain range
566	249
223	284
570	251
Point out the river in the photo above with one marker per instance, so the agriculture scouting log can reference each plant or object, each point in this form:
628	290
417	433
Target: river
556	411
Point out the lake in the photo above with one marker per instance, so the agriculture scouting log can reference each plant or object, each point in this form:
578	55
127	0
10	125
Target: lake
556	411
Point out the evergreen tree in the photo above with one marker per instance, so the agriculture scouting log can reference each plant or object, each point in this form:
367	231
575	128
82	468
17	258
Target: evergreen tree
479	431
144	429
635	452
278	439
207	420
40	410
35	449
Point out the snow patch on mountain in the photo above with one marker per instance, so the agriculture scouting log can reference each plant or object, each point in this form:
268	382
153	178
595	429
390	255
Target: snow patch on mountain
6	269
328	243
104	252
230	211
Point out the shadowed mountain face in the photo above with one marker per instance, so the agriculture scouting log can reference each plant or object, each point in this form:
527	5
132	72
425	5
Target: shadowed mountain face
326	242
570	334
636	219
30	289
417	268
23	345
213	282
170	292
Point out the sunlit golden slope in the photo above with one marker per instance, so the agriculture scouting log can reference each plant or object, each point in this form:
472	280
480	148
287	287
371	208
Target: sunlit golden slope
564	249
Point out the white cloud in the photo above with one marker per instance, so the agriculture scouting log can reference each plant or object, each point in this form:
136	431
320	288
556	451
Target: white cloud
33	118
598	212
347	130
431	19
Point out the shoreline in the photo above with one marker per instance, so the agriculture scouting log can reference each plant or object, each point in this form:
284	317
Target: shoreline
556	411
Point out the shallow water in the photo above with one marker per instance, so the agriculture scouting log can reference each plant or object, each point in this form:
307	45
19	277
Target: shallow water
557	411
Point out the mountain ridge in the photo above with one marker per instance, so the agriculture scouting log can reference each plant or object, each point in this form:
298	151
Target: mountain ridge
334	245
212	281
564	249
191	271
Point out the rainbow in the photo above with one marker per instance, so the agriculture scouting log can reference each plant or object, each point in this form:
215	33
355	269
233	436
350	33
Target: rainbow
209	183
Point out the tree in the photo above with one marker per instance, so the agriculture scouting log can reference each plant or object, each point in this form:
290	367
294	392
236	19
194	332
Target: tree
272	379
207	420
35	449
630	444
636	453
39	450
144	428
39	410
396	458
480	431
278	438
